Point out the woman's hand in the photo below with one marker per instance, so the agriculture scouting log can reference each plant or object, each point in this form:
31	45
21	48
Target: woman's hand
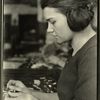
16	86
16	89
55	60
23	96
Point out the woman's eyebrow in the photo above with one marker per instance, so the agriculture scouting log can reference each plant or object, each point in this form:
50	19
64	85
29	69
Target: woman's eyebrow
49	19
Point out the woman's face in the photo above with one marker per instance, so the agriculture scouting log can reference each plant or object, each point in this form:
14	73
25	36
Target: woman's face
57	25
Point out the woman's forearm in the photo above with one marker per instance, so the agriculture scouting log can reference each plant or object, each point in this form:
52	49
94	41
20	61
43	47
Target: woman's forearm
45	96
61	63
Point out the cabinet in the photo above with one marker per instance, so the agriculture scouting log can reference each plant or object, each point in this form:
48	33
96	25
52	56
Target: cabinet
23	26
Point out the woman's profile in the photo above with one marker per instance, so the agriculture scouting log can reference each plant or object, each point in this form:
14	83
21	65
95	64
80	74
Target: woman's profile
71	20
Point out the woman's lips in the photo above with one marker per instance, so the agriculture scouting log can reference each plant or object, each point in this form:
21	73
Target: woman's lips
60	41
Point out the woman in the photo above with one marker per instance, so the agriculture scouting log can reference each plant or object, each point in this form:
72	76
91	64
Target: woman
56	54
71	20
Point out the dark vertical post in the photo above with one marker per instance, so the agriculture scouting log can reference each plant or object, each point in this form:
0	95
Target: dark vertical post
0	45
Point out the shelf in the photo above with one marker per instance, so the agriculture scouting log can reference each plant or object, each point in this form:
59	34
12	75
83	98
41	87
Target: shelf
21	9
33	2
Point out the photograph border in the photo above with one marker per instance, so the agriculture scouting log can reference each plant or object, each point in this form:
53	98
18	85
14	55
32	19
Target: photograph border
1	44
98	52
1	49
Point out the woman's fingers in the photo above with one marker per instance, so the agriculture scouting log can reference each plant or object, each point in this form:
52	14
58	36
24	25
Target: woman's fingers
14	94
21	96
11	82
15	83
19	83
13	86
14	89
53	59
7	97
17	86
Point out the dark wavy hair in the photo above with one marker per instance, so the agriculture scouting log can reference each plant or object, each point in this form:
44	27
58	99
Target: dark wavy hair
79	13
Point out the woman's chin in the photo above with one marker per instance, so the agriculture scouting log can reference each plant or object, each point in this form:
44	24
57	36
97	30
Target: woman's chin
60	41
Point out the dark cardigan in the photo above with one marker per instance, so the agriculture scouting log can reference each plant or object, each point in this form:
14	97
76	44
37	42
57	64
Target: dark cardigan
79	76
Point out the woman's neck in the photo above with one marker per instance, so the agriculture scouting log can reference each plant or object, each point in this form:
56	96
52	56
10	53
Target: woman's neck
81	38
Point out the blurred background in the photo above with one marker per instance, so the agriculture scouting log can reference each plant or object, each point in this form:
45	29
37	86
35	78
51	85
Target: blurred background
24	38
24	29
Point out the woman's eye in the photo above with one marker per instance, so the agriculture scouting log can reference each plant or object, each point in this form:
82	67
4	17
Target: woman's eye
53	22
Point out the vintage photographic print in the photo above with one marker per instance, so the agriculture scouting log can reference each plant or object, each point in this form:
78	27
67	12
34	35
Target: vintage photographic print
49	49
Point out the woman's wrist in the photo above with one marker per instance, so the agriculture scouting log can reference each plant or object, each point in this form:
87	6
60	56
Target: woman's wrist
61	63
45	96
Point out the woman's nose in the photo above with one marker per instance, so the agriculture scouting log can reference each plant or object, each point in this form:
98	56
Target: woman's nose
50	29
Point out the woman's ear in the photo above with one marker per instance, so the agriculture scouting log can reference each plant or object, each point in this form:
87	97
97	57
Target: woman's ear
94	21
79	18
